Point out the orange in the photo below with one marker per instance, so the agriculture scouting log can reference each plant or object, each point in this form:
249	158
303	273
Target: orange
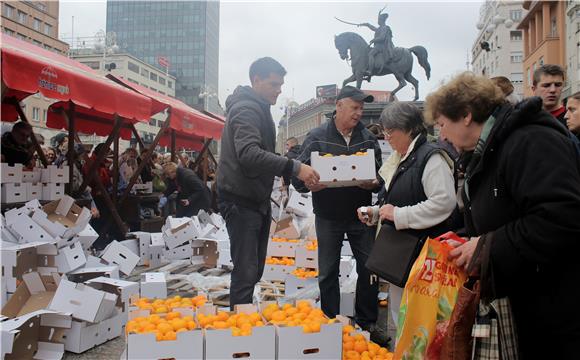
347	346
359	337
360	346
315	327
236	332
178	324
347	338
259	323
191	325
188	318
278	315
172	315
246	327
159	336
160	309
164	327
220	325
290	311
222	315
170	335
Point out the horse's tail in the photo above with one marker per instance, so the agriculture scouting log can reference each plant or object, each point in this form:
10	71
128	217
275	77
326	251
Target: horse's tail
421	54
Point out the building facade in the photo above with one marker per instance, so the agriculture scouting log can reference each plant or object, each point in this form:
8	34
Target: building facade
498	49
35	22
544	34
180	35
572	48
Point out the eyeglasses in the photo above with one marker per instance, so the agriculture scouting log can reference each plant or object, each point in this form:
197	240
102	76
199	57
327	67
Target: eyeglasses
388	133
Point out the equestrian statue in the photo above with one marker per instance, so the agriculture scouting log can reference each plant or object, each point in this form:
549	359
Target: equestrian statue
382	58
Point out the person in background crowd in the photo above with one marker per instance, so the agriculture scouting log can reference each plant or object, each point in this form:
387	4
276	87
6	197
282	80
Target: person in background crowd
292	152
336	208
127	167
192	194
377	131
60	144
419	183
547	83
50	155
247	167
156	159
522	205
507	88
77	180
16	147
146	173
573	114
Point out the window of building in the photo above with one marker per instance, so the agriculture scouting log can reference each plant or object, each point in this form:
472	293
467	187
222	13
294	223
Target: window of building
145	72
553	27
169	84
8	11
541	61
517	78
516	58
36	24
153	76
516	15
9	32
37	43
152	122
44	115
133	81
48	29
35	114
95	65
162	80
21	36
21	17
133	67
515	35
152	88
529	76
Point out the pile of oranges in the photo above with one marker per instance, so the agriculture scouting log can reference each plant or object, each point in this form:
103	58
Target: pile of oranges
305	273
358	153
356	346
241	324
162	306
275	260
164	327
279	239
311	245
303	314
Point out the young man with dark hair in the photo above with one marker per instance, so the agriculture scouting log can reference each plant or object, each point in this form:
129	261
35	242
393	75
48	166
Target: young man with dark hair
246	174
573	114
16	146
547	84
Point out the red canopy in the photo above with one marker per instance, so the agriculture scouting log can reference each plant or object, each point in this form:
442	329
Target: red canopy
185	120
28	69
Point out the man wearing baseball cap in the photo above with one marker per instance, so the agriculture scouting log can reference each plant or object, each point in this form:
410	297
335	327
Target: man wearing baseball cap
336	209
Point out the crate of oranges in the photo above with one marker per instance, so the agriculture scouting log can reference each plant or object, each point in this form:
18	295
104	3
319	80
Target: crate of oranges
162	306
356	345
299	280
307	254
304	332
171	335
240	333
278	268
344	170
279	246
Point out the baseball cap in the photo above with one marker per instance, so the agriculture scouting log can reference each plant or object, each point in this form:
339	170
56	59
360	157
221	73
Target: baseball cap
355	94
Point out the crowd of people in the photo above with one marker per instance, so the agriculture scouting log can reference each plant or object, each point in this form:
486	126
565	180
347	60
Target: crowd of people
504	173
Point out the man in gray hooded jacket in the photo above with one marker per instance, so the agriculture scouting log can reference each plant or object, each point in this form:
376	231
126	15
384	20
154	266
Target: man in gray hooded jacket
246	173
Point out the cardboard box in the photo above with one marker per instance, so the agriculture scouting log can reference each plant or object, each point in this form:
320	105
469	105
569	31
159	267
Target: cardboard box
156	250
346	250
346	268
27	230
88	273
294	284
34	293
13	192
153	285
279	248
36	335
146	188
123	289
306	258
286	229
86	237
225	258
62	218
144	241
294	343
342	171
32	176
347	302
33	191
221	344
83	335
300	204
13	215
52	191
180	235
54	174
70	258
205	252
117	254
277	272
11	174
84	302
180	252
188	345
18	260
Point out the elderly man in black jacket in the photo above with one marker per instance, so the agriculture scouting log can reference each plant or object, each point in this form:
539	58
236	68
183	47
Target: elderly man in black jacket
192	193
336	209
246	174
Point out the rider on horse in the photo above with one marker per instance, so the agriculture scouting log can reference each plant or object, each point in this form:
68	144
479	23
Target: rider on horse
383	43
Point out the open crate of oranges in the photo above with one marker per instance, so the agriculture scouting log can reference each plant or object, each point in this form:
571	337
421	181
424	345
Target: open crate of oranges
356	345
344	170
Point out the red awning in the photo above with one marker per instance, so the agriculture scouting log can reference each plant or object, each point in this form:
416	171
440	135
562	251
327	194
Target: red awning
184	119
28	69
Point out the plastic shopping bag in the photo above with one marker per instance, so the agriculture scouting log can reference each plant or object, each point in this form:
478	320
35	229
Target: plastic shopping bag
428	300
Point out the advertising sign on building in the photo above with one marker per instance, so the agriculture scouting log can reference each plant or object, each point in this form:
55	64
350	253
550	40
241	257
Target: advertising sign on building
326	91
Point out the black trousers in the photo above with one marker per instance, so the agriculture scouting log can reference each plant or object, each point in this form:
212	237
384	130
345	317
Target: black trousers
330	235
248	231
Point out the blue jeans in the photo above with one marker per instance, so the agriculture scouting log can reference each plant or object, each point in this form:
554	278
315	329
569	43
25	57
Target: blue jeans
248	231
330	235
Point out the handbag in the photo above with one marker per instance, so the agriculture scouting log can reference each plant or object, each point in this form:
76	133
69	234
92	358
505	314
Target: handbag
393	254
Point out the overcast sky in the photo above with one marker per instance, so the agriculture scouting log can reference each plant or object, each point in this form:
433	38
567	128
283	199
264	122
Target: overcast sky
300	35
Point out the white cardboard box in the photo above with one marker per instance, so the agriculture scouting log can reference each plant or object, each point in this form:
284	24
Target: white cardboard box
54	174
153	285
11	174
84	302
342	171
70	258
33	191
178	236
52	191
27	230
300	204
86	237
306	258
347	301
294	284
346	267
87	273
117	254
83	335
281	248
277	272
14	192
123	289
18	260
146	188
285	228
188	345
294	343
180	252
156	250
144	241
63	217
32	176
34	293
13	215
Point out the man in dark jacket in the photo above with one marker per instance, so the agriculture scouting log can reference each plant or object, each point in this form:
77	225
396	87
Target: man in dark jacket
293	151
336	208
547	83
246	174
16	146
192	193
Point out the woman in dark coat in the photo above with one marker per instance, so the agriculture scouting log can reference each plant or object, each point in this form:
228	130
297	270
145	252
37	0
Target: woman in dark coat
522	199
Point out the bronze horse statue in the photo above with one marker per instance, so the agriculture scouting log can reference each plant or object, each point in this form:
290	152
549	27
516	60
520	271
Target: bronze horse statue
401	64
